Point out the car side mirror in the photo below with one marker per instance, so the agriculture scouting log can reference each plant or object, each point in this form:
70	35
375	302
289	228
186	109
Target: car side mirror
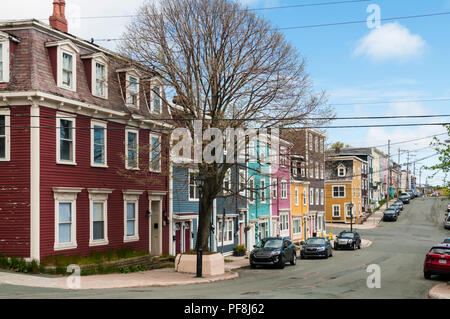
302	242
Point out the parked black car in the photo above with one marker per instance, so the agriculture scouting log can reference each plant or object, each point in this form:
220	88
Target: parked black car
348	239
405	198
397	208
316	247
390	214
273	251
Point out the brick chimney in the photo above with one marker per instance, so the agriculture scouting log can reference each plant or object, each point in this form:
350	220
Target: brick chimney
58	19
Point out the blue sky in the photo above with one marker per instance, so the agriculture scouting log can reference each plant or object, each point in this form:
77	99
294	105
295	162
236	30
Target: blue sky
402	60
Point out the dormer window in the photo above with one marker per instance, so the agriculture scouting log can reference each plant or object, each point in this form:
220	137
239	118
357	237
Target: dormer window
64	53
4	57
341	171
133	91
96	67
155	96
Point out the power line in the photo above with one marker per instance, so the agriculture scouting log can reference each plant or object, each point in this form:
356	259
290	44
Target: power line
389	102
413	140
249	9
331	24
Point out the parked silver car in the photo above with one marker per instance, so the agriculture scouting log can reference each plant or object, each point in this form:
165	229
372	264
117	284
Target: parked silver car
447	222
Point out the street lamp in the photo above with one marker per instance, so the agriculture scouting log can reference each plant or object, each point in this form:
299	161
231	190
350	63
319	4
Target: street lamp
351	215
200	181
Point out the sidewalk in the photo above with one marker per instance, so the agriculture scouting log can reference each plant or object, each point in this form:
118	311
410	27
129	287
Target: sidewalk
152	278
372	222
441	291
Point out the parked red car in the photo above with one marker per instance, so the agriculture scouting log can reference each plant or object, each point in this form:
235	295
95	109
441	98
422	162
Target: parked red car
437	261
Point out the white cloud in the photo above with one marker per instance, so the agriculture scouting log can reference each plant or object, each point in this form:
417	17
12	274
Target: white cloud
391	41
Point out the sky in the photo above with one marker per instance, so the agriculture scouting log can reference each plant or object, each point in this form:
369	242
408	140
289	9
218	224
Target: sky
396	61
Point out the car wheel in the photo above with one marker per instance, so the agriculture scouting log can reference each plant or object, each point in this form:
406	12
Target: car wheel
427	275
294	259
281	263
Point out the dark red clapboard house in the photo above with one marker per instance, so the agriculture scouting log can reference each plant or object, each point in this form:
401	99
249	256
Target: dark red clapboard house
75	120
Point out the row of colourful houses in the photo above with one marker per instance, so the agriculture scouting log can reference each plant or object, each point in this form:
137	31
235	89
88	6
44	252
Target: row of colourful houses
85	162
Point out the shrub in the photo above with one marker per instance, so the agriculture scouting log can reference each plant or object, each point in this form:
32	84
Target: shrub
239	250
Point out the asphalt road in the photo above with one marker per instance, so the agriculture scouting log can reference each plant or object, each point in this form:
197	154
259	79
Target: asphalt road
398	248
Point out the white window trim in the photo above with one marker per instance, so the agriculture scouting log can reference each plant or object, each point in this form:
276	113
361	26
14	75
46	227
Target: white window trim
7	114
227	178
226	231
4	41
322	197
102	61
251	190
332	190
332	210
346	206
137	149
339	170
156	83
293	227
284	221
274	188
72	118
305	197
263	190
296	196
317	199
152	135
105	126
133	74
286	190
66	195
131	196
242	181
98	195
190	171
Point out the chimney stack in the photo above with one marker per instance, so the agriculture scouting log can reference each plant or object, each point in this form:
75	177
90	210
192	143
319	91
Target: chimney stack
58	19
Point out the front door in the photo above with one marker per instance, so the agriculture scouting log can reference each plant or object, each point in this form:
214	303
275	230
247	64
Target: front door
156	228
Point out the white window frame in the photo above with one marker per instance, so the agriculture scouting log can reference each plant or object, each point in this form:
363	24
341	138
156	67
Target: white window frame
316	166
297	234
242	181
7	114
67	47
284	223
127	166
262	186
71	118
311	196
226	231
303	165
340	168
347	206
284	192
334	186
262	153
97	195
135	75
321	171
274	188
192	199
310	140
227	179
283	156
319	223
334	211
152	135
322	197
66	195
305	197
103	62
132	197
4	42
104	125
294	168
296	196
317	197
156	83
251	195
266	228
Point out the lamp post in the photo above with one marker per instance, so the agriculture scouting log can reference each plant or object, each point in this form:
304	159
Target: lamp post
351	216
200	180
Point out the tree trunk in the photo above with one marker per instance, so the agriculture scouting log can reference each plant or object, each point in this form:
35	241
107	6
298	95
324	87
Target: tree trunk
206	211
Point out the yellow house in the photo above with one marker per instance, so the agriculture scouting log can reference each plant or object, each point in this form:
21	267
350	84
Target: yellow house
343	189
299	209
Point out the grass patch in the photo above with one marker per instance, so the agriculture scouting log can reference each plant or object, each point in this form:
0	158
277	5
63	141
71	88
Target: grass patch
228	260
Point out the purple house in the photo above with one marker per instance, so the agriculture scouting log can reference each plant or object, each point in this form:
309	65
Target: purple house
280	209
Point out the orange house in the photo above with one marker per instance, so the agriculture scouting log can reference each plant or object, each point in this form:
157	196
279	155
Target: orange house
299	209
343	189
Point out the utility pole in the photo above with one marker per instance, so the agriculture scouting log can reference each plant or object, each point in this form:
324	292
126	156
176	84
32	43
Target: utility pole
389	174
399	176
407	173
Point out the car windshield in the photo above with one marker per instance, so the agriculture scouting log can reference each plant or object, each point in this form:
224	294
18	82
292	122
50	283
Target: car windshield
389	211
346	235
440	251
447	241
270	243
315	241
448	218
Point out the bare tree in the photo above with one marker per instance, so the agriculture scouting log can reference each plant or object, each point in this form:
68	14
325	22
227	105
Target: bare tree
225	66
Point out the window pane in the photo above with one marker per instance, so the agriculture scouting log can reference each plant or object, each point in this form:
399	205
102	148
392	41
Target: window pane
130	228
65	233
65	212
97	212
2	147
67	69
99	144
98	230
157	99
132	149
66	129
131	208
2	125
66	150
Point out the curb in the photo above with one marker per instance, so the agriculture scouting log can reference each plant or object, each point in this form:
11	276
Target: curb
437	292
